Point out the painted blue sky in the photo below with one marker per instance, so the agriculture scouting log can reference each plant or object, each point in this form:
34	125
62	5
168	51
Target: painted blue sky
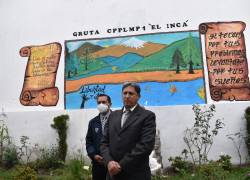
166	38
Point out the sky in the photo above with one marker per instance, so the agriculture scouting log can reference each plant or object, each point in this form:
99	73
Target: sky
163	38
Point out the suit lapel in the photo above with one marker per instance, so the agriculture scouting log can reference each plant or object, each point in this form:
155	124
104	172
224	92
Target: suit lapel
117	121
131	119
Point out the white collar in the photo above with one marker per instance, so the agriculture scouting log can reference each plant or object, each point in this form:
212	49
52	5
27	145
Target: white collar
106	115
131	109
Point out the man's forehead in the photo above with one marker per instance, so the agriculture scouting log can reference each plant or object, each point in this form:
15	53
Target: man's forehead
129	88
103	98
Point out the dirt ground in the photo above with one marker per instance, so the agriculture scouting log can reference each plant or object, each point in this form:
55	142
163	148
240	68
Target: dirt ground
154	76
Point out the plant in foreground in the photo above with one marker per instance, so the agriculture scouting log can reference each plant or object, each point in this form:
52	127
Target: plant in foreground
199	138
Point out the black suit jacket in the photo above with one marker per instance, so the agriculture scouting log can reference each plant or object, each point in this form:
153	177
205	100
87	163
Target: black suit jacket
93	137
130	145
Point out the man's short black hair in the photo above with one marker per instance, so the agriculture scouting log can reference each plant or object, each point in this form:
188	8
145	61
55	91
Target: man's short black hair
108	98
134	85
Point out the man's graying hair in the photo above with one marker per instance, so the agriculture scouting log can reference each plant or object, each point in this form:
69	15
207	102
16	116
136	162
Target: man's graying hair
134	85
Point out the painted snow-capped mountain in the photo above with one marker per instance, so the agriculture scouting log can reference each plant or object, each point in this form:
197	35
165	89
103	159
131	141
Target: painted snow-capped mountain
134	43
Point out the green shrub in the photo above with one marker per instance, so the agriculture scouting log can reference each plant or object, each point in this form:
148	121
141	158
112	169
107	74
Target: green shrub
247	117
4	136
48	159
179	164
199	139
26	150
211	171
159	177
87	173
225	162
10	157
25	173
75	168
60	125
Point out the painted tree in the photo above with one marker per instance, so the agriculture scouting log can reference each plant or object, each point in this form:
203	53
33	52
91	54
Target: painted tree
85	58
75	64
191	52
68	63
191	69
72	64
177	60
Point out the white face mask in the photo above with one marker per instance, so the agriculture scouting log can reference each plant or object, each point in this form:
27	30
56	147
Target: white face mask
102	108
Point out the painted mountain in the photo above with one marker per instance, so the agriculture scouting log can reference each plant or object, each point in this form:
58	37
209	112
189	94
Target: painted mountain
189	49
133	45
133	55
168	67
81	61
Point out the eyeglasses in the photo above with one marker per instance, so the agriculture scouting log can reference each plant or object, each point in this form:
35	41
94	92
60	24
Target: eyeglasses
101	102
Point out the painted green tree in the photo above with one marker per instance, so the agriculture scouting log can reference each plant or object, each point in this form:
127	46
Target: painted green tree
72	64
177	60
191	53
85	58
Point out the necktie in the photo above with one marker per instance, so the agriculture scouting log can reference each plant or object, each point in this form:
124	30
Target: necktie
103	121
125	116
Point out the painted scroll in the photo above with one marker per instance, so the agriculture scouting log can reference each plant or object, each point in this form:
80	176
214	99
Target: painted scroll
39	82
226	60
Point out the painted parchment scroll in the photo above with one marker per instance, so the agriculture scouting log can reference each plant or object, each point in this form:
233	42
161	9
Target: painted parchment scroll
226	60
39	81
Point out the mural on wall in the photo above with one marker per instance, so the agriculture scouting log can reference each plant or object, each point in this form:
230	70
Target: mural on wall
226	60
40	75
168	67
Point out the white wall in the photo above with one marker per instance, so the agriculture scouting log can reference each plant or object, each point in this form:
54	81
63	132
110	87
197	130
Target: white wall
29	22
171	121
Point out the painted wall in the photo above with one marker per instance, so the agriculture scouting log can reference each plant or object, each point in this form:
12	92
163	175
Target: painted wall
25	23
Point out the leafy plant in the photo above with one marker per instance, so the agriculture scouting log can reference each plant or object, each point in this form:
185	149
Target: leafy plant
60	125
247	117
26	150
75	168
10	157
225	162
179	164
199	138
25	173
159	177
48	159
211	171
4	135
237	139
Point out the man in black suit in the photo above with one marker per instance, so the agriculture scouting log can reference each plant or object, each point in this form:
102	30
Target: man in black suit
129	138
93	138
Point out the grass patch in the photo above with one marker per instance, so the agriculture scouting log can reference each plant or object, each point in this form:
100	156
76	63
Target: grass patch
239	173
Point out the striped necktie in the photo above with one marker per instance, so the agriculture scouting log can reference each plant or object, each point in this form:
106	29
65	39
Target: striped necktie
103	122
125	116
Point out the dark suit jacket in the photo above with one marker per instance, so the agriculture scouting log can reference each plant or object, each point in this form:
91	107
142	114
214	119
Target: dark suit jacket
93	137
130	145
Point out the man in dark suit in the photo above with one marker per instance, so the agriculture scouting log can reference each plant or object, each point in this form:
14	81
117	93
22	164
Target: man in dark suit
129	138
95	132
